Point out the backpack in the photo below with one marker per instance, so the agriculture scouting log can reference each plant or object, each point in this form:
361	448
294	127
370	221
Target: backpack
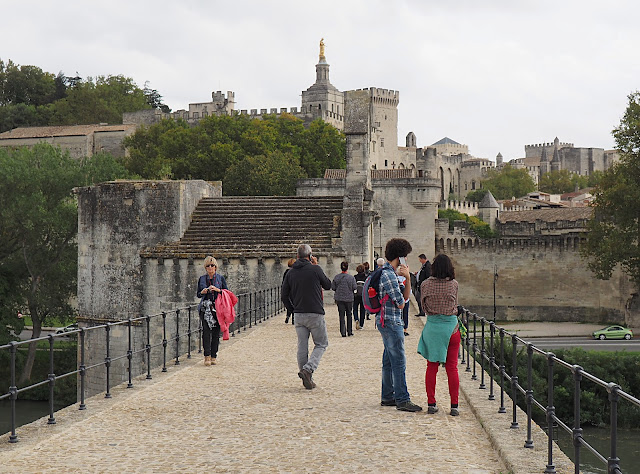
359	287
370	298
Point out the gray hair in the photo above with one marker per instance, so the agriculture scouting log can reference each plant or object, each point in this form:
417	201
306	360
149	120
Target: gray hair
304	251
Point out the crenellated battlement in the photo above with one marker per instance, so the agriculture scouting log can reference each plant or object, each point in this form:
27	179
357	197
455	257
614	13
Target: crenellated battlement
466	207
543	145
455	242
383	96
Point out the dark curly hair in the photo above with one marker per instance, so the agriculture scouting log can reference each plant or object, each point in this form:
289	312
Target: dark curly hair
442	267
397	248
344	266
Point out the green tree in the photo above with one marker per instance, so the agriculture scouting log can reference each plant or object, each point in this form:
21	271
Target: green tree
477	195
27	85
557	182
477	225
102	100
274	174
614	230
38	227
223	148
508	182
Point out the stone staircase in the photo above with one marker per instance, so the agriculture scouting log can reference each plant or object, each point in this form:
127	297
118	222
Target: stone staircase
261	226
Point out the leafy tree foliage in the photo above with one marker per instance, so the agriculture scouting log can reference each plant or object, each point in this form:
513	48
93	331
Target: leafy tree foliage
563	181
477	195
614	229
251	156
32	97
38	227
508	182
477	225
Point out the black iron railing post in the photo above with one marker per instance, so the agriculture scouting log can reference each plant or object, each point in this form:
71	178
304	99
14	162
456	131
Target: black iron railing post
514	381
492	359
82	370
475	348
244	312
52	381
249	297
482	356
466	322
177	362
502	408
148	347
189	333
107	360
550	469
529	441
613	461
164	341
577	430
130	353
13	389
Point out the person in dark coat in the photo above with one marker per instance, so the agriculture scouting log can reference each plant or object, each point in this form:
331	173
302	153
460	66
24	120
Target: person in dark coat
209	287
423	274
302	294
289	313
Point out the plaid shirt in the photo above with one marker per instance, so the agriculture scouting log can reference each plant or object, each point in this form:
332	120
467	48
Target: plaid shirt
389	286
439	296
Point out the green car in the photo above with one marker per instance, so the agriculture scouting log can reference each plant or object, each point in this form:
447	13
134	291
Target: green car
613	332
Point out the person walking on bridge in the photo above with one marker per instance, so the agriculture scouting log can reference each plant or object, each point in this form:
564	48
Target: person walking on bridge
302	294
345	287
209	287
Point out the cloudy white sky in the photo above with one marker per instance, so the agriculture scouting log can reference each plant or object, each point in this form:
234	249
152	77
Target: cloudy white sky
492	74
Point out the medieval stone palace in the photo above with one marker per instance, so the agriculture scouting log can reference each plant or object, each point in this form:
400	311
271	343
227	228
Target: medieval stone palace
141	244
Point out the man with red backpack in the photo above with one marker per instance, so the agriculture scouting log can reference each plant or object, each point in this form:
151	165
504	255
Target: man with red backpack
390	323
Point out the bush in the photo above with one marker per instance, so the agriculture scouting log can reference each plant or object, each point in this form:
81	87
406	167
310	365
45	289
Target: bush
477	225
622	368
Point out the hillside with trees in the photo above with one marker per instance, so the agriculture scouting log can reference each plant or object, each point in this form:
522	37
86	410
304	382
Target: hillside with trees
31	97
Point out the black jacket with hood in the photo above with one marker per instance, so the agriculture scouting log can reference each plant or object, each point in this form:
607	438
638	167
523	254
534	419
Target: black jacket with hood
302	288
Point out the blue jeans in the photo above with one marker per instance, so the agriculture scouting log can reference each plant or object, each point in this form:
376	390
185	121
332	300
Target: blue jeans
358	309
394	363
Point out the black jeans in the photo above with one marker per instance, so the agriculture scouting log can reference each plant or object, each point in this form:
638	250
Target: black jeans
210	337
358	307
344	309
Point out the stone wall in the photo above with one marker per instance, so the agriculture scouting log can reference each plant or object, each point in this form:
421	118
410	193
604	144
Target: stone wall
540	279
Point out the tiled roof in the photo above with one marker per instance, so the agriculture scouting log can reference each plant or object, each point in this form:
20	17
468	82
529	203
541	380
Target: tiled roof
392	173
546	215
335	174
446	141
62	131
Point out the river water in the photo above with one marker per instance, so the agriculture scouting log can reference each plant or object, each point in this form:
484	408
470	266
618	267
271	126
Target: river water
628	449
26	412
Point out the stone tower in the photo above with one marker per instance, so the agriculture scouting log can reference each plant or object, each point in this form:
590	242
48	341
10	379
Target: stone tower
489	209
555	162
322	99
544	164
499	159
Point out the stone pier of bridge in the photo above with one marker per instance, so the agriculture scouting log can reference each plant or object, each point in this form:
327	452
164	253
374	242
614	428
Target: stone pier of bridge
250	413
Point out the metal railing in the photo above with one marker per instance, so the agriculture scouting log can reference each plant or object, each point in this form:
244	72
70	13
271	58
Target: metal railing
476	344
252	309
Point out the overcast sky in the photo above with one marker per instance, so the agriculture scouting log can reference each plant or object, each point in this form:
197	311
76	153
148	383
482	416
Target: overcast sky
492	74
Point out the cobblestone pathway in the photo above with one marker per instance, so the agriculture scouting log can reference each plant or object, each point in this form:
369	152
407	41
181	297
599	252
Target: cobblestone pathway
250	413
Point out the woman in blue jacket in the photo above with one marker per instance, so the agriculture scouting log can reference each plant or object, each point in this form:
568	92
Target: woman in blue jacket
209	287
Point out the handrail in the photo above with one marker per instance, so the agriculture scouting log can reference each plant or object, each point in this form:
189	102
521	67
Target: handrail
252	309
479	351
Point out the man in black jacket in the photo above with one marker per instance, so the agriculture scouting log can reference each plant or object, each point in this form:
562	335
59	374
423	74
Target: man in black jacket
425	272
302	294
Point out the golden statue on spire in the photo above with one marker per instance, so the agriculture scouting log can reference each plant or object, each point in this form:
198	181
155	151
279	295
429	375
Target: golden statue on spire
322	48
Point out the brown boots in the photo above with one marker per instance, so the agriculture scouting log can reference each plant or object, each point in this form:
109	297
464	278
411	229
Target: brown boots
208	360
